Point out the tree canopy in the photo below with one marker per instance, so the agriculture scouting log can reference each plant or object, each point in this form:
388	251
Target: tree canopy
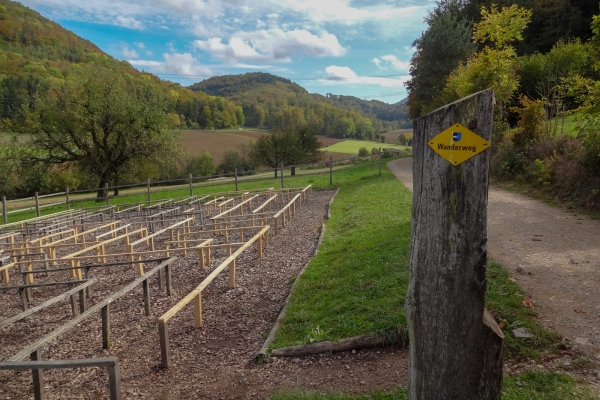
101	120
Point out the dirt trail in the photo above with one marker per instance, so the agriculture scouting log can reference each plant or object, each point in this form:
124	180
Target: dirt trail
553	254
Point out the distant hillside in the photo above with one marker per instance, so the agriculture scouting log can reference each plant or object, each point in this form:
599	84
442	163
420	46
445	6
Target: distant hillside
381	110
25	32
37	54
271	101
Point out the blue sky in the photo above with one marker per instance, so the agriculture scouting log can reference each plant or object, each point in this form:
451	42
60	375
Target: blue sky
351	47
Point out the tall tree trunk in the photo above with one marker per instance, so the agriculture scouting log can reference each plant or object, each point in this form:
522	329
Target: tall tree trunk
455	344
275	170
102	193
116	188
293	171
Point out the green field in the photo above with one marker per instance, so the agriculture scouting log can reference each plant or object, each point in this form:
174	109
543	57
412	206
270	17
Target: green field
352	146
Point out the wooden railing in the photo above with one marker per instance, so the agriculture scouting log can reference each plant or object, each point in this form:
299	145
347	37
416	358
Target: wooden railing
36	366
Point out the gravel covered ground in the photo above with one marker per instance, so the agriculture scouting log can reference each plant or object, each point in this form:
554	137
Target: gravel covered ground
216	361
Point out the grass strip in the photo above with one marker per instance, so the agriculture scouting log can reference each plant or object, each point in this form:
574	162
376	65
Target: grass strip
357	283
528	386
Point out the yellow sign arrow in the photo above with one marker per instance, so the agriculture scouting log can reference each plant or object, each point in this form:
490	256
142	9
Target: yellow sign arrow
457	144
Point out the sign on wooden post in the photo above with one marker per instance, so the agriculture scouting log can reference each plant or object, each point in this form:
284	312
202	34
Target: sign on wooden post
455	344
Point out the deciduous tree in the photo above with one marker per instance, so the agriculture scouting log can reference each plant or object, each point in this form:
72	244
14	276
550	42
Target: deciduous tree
103	121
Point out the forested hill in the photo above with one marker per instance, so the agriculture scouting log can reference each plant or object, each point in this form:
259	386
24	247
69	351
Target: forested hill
38	55
25	32
268	101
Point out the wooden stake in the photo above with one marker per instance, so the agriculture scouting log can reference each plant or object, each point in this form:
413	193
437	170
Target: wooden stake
37	204
38	378
232	274
198	310
4	210
106	326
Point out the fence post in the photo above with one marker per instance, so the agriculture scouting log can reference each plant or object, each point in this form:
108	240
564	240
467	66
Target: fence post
4	210
148	185
236	180
380	161
445	301
38	377
106	191
114	381
37	204
330	171
67	198
282	185
191	186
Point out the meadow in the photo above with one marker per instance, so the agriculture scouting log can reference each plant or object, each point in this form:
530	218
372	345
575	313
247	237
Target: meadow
352	146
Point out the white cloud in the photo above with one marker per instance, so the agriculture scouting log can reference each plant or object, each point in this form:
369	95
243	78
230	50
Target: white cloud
127	52
183	64
140	45
348	76
128	22
376	61
402	66
272	45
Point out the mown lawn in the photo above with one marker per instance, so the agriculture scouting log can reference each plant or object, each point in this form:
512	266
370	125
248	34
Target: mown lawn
357	282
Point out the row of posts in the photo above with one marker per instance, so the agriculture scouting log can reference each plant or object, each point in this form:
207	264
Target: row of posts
37	202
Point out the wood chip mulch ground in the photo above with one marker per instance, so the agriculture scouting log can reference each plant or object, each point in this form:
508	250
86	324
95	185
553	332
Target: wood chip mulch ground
216	361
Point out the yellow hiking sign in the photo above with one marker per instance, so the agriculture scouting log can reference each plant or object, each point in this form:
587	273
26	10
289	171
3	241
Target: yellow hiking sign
457	144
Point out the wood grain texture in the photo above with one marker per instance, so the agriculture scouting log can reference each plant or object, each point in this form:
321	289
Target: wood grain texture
453	353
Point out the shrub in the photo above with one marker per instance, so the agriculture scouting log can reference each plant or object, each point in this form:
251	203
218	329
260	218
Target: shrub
363	152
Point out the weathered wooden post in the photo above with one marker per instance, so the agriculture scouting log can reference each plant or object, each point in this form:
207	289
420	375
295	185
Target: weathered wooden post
4	210
148	188
330	171
67	198
455	344
282	185
379	153
191	186
236	180
37	204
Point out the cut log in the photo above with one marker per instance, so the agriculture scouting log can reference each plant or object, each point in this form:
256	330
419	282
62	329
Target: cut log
353	343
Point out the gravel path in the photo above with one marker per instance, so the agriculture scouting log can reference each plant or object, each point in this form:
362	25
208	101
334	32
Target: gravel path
553	254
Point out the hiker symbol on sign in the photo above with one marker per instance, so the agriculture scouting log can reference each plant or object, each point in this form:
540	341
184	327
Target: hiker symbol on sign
456	136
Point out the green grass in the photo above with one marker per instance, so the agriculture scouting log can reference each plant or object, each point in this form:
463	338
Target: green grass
544	386
352	146
528	386
357	282
504	299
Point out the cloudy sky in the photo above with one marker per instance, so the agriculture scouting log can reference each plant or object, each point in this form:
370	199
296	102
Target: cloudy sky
351	47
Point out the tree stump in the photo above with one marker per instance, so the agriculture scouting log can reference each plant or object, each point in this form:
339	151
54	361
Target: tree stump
455	344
